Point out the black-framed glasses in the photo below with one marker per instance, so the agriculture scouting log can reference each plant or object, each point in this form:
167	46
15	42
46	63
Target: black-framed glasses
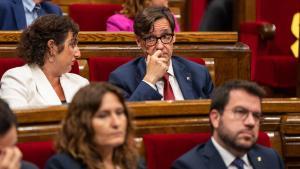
242	113
152	40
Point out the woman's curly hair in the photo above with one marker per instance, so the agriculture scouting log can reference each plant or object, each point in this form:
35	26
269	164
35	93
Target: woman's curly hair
77	134
33	46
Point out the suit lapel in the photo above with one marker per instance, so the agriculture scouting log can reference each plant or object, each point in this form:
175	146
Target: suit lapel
141	67
19	13
44	87
256	159
214	160
184	79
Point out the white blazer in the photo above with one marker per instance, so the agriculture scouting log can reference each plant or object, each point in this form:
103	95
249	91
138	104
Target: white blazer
27	86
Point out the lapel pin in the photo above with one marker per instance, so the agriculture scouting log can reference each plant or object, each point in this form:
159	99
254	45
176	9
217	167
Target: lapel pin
188	78
259	159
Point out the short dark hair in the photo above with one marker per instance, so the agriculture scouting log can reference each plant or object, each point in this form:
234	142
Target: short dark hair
33	42
220	96
7	118
144	20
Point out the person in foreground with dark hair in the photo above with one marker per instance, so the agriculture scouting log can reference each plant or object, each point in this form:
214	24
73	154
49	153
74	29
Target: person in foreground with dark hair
159	75
10	155
97	132
235	116
49	47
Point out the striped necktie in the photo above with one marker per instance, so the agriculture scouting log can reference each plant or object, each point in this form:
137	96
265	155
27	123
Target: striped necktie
37	8
239	163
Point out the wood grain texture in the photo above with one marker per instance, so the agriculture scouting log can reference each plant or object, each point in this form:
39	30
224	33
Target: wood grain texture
129	37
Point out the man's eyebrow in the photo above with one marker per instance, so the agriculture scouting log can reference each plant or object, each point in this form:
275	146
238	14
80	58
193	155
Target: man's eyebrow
165	31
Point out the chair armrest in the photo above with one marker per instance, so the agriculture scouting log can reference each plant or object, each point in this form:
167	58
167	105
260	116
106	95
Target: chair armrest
265	30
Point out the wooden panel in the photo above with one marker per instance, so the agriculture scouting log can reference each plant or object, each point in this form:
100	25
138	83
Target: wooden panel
85	37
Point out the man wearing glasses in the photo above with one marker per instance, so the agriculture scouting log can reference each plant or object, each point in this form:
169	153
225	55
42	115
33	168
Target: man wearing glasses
160	75
235	116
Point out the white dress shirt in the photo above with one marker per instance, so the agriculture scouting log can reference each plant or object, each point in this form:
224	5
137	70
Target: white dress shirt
30	13
159	85
228	158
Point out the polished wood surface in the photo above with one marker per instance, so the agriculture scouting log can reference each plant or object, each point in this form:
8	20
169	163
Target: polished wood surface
226	58
13	37
281	122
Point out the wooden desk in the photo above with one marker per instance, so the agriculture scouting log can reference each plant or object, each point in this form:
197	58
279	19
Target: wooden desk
226	57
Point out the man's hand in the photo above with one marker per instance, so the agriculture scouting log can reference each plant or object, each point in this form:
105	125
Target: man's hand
157	66
10	158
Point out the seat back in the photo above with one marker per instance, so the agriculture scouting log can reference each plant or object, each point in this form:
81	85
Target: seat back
280	13
92	17
101	67
163	149
8	63
37	152
197	60
196	12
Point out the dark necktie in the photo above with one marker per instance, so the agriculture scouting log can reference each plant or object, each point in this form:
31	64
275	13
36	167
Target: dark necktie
238	163
37	8
168	92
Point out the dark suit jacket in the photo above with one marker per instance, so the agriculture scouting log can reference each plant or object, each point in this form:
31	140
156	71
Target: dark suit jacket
65	161
28	165
12	13
193	79
206	156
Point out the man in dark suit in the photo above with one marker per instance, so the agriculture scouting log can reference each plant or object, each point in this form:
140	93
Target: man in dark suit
18	14
235	116
10	155
159	75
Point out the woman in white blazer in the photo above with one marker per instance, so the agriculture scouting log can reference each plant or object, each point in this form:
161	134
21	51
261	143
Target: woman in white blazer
49	47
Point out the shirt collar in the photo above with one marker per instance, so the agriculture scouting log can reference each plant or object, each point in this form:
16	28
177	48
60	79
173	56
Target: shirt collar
29	5
170	69
227	157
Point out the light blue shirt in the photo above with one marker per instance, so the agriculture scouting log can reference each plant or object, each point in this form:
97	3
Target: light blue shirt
30	13
228	158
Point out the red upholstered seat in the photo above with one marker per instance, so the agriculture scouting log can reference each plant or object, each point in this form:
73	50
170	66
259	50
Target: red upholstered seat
92	17
163	149
37	152
272	62
8	63
197	60
101	67
197	10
